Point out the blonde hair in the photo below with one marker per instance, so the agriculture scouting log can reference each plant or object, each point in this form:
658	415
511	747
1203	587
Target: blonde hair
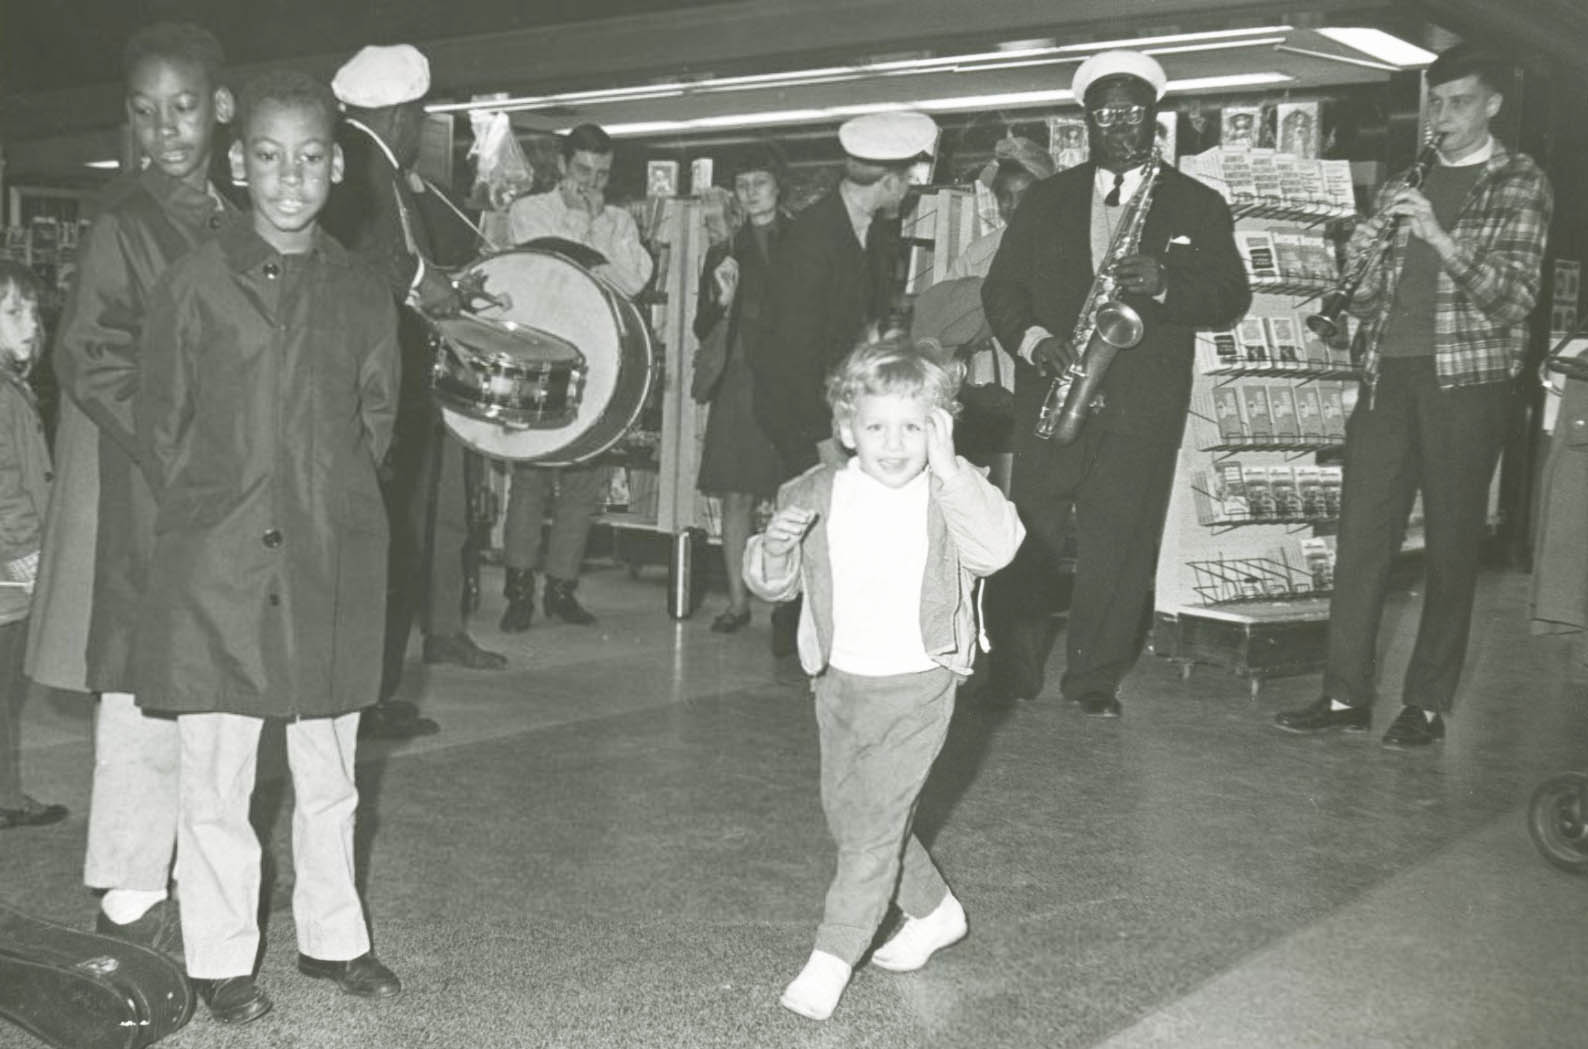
891	364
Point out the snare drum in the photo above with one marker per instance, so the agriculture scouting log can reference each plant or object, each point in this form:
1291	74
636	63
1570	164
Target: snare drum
555	370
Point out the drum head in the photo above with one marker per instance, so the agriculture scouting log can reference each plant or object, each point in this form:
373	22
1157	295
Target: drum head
543	291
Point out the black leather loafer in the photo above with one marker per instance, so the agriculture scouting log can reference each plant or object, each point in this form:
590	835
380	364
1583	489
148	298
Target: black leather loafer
364	976
234	999
1414	727
1099	705
1317	716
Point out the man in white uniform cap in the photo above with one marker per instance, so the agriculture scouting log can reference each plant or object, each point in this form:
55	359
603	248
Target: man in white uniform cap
375	211
829	282
1184	274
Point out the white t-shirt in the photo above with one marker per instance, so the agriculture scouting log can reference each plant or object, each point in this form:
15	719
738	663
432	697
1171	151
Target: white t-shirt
876	538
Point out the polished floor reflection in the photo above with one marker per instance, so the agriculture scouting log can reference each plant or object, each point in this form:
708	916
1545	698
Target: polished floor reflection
617	843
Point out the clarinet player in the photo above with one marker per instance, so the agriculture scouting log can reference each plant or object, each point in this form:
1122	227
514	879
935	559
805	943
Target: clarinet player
1445	331
1183	273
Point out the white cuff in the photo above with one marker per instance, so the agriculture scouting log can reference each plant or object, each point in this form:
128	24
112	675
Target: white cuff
1034	334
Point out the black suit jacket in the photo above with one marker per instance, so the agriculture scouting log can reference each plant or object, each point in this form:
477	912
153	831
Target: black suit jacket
1043	273
824	290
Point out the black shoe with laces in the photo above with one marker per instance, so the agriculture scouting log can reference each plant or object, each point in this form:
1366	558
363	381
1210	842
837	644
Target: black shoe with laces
461	650
560	603
1414	727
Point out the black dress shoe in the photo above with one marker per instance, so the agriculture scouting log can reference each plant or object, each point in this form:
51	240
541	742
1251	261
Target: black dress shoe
460	650
1319	716
560	603
391	720
364	976
730	622
159	929
233	999
1414	727
1099	704
34	813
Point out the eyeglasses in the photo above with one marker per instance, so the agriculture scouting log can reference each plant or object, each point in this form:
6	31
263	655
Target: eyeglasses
1108	116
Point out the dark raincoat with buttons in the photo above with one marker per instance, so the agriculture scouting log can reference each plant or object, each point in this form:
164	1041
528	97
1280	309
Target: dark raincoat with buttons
268	394
97	533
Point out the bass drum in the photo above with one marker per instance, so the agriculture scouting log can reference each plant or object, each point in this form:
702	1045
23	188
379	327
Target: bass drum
540	290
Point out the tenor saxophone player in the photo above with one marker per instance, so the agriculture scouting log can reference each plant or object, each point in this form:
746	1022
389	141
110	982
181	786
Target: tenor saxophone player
1445	329
1184	273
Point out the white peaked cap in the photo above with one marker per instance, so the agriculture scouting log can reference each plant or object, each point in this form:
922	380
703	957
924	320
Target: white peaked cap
378	77
889	137
1118	63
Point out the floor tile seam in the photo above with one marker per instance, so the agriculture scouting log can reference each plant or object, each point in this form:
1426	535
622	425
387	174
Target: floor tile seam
1255	960
367	754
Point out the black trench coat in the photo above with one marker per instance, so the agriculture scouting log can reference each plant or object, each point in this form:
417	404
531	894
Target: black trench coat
268	395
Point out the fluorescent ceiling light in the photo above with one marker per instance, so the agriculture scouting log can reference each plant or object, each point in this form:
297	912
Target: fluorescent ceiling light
103	165
1140	42
1381	45
1214	83
1009	100
982	61
1330	56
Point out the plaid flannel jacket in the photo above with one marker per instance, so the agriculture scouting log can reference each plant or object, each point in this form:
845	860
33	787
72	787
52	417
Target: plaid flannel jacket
1485	294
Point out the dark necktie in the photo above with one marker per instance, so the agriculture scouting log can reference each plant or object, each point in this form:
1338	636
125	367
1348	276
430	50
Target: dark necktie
1112	200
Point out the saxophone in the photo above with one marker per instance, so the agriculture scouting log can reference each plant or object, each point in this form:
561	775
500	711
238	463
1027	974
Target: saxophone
1105	326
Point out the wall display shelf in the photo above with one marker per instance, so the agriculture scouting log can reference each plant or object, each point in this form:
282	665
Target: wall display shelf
1247	559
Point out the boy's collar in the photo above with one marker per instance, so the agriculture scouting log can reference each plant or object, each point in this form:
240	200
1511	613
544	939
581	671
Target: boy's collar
244	248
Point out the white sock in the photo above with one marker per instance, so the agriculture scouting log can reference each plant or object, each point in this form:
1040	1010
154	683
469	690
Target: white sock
816	990
1335	704
920	938
123	906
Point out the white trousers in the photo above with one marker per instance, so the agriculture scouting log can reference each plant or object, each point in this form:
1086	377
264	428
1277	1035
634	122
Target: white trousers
218	853
133	803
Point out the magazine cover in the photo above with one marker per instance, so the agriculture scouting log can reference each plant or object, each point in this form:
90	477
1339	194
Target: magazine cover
1296	128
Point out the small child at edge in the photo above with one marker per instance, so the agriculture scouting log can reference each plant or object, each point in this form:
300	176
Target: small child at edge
887	550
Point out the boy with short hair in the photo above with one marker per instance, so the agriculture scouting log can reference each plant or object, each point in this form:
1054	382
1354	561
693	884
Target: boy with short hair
887	550
268	394
97	530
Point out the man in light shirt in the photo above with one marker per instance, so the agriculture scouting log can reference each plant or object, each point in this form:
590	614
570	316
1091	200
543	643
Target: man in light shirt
575	211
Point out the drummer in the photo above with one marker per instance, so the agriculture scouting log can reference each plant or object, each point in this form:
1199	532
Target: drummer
574	210
375	212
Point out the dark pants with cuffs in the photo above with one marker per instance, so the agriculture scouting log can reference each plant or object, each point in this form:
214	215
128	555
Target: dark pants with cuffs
1446	443
1118	485
879	737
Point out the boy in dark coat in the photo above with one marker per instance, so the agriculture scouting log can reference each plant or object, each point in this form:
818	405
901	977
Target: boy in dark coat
98	528
269	385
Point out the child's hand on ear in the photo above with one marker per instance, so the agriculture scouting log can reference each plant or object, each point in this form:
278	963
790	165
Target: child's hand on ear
940	456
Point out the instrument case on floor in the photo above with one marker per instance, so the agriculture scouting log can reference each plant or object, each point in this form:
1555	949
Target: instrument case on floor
79	990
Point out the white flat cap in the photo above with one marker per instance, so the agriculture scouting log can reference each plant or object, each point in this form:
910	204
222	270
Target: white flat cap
1118	63
377	77
889	137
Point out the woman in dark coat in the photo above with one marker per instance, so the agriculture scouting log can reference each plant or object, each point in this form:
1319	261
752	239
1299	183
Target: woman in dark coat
739	463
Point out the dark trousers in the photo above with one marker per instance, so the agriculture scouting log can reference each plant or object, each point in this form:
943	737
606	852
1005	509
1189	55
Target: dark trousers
1117	485
427	509
13	690
1446	443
